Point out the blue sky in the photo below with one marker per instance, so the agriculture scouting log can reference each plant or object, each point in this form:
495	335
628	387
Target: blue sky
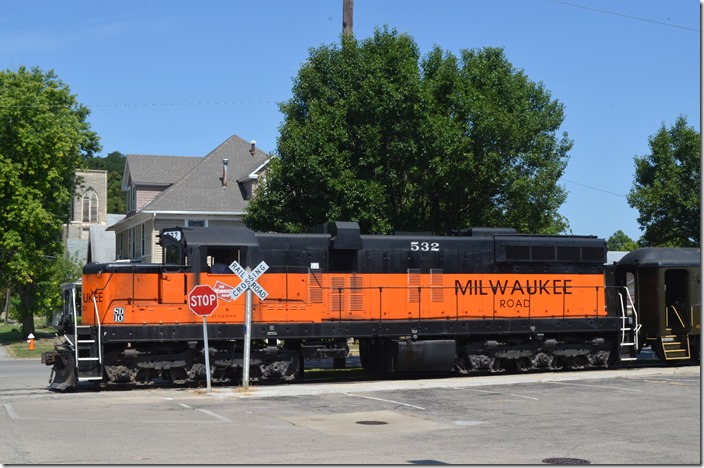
179	77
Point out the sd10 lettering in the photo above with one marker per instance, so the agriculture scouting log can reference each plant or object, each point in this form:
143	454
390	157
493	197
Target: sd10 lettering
425	246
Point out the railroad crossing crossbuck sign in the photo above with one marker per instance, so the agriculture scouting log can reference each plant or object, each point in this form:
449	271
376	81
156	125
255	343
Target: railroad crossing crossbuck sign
249	280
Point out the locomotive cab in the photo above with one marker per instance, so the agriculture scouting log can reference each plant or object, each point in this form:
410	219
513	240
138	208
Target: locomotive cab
665	286
210	250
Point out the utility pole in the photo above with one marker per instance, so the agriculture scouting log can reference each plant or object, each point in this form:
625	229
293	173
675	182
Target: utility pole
347	13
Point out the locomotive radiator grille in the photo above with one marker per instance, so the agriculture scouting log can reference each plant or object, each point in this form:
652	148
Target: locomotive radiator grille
315	288
356	294
414	282
437	290
337	293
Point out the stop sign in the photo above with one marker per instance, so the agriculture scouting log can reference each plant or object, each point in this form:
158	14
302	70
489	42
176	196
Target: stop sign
202	300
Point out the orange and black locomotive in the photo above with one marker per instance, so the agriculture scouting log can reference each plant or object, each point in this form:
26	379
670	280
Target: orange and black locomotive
480	300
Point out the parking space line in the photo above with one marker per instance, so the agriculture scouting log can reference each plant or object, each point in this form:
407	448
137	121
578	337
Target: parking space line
215	415
10	411
387	401
208	412
500	393
598	386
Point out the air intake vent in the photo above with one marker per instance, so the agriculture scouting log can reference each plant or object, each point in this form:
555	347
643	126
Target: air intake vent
593	254
568	254
517	252
543	253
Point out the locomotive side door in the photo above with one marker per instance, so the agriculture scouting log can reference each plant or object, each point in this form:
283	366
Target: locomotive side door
678	314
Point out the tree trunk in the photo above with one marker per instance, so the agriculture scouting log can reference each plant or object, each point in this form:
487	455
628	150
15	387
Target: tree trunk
7	305
27	306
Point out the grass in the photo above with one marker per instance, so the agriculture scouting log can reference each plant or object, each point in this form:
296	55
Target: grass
17	346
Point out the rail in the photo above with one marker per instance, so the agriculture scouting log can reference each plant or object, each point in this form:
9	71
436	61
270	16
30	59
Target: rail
346	298
677	314
97	321
635	328
75	327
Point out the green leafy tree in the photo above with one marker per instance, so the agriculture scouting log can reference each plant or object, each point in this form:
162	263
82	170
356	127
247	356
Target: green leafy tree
619	241
666	187
43	135
114	163
375	134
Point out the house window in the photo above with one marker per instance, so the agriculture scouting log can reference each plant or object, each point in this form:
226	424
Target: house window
90	206
131	198
144	241
130	244
197	223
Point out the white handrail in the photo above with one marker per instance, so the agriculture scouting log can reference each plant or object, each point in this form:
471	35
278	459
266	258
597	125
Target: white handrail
75	323
98	341
636	325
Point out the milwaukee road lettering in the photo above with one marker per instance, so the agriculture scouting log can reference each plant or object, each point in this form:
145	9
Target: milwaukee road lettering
480	287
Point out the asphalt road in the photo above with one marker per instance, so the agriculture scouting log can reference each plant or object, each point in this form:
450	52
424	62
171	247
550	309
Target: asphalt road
630	416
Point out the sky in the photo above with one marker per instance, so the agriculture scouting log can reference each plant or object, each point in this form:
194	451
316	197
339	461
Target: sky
176	77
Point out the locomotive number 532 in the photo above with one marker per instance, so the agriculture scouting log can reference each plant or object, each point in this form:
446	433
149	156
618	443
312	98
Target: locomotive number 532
425	246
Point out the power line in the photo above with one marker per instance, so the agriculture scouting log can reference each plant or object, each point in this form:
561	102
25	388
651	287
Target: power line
626	16
147	104
594	188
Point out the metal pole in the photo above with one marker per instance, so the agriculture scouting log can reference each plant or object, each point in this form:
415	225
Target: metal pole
207	352
247	334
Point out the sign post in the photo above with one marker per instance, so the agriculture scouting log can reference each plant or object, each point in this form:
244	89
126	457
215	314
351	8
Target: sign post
203	300
249	285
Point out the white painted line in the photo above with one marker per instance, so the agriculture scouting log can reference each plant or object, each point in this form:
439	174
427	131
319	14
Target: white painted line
498	393
387	401
208	412
598	386
215	415
11	411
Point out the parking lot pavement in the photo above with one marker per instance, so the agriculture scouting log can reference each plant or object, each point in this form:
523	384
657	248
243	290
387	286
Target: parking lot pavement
269	391
604	417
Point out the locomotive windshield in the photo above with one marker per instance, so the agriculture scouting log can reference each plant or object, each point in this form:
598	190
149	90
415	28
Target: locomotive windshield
172	247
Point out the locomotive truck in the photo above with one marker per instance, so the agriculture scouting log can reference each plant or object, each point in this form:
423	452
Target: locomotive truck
476	301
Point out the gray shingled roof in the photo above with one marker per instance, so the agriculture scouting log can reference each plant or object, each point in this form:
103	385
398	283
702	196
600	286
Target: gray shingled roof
201	188
143	169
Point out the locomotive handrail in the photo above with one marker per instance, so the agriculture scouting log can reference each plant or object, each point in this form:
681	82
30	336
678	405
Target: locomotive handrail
75	319
97	321
340	292
636	325
677	314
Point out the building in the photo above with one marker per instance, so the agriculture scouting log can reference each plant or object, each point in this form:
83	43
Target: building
85	235
169	191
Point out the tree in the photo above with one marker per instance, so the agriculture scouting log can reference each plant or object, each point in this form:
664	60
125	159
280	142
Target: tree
376	135
114	163
43	135
666	187
619	241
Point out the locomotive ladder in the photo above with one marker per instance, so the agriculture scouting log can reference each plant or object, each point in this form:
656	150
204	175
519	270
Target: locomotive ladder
630	329
87	347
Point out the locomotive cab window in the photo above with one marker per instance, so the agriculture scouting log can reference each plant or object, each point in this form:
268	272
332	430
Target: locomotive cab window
220	259
173	255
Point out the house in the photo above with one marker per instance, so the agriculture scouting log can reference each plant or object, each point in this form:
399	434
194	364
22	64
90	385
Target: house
169	191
